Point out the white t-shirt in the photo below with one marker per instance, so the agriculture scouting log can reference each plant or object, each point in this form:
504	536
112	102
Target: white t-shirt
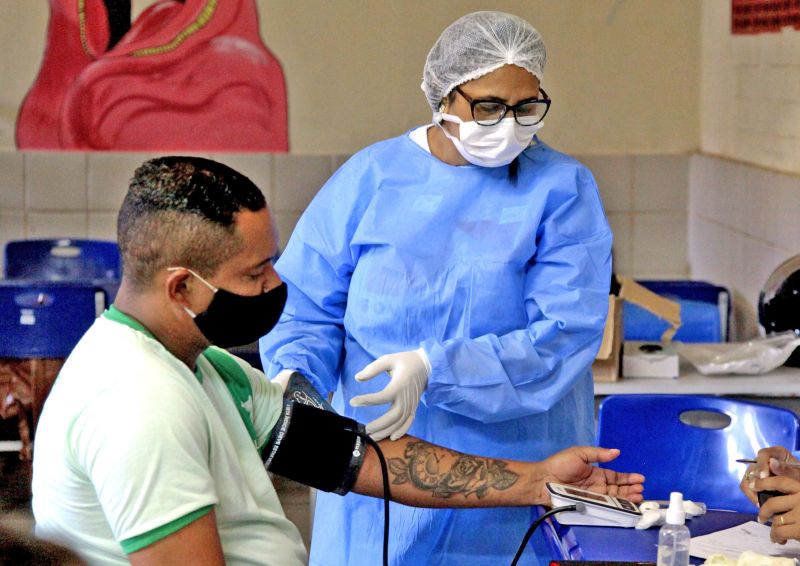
132	445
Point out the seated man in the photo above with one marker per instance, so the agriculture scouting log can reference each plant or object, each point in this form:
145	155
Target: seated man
151	444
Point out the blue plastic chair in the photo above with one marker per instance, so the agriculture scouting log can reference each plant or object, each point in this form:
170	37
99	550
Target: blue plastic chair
62	260
560	541
678	449
46	320
551	539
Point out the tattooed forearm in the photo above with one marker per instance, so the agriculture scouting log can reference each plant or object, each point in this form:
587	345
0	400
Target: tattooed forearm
444	472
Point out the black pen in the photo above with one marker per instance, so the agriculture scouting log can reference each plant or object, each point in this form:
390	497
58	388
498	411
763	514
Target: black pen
751	461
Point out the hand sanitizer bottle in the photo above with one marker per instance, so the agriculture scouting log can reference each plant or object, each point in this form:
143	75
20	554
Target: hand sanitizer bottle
673	538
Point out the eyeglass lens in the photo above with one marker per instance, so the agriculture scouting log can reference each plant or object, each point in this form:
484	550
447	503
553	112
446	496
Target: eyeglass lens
487	113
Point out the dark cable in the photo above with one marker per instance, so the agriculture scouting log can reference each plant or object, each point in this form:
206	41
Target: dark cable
387	495
536	523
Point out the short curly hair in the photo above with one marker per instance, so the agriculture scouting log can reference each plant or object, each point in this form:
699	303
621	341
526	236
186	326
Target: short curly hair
181	211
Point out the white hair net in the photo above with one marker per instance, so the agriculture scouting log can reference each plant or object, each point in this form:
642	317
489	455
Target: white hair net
477	44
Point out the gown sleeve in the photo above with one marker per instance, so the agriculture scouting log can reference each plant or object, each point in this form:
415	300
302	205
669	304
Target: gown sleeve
492	378
316	266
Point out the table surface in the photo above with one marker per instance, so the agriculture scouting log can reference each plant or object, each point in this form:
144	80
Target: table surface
781	382
613	543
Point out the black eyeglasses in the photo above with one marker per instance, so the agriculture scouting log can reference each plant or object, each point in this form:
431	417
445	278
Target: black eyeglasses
489	112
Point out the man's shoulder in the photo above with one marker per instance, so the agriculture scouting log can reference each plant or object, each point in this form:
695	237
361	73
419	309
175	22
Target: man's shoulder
108	343
118	362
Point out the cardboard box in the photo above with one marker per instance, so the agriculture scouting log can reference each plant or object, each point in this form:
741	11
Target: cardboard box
608	362
606	366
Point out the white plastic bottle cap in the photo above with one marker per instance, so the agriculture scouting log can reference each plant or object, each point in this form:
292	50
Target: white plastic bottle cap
675	513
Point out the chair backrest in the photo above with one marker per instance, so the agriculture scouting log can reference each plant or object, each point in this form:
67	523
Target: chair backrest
690	443
62	260
46	320
560	542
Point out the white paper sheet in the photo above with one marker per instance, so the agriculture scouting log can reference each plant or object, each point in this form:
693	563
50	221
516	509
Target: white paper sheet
747	536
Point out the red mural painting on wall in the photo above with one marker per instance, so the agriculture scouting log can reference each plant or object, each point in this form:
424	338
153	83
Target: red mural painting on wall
185	75
764	16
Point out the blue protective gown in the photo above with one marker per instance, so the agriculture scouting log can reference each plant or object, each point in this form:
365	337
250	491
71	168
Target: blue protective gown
503	281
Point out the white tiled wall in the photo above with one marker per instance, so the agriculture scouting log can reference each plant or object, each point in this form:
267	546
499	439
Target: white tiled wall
743	222
645	200
56	182
107	177
12	193
12	225
750	92
66	194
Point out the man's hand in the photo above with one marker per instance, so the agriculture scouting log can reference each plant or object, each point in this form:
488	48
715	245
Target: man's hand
409	372
573	466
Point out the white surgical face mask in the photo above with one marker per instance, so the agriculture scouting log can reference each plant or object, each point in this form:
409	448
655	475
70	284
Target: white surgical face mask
489	146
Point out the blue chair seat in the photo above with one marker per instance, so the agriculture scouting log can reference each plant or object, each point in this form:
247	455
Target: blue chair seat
690	443
46	319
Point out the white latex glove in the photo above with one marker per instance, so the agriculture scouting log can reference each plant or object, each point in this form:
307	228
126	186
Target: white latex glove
409	372
693	508
283	377
653	514
651	518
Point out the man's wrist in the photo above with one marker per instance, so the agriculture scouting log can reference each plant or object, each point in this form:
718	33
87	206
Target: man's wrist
537	474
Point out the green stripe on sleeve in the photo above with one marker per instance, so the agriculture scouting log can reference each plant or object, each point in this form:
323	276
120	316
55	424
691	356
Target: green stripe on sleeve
146	539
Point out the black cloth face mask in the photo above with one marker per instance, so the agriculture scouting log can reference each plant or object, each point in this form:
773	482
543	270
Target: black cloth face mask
236	320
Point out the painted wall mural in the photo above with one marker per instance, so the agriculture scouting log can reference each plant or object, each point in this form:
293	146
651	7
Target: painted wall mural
764	16
184	75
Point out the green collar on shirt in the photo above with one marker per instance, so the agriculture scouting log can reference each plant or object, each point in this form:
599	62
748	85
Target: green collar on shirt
113	313
236	380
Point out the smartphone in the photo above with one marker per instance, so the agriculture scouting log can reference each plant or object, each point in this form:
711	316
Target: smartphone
766	494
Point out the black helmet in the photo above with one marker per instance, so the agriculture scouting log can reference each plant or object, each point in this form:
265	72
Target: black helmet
779	302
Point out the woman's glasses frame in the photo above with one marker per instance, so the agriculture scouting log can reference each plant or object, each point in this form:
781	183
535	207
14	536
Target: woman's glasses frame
483	121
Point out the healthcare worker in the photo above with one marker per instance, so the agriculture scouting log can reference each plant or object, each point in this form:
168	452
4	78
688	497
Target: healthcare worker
453	283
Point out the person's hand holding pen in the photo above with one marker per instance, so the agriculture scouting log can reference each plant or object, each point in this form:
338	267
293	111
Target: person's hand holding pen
775	460
776	470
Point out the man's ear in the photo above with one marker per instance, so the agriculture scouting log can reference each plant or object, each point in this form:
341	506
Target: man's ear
178	286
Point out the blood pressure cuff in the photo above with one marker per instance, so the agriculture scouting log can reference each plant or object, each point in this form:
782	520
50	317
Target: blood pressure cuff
312	444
